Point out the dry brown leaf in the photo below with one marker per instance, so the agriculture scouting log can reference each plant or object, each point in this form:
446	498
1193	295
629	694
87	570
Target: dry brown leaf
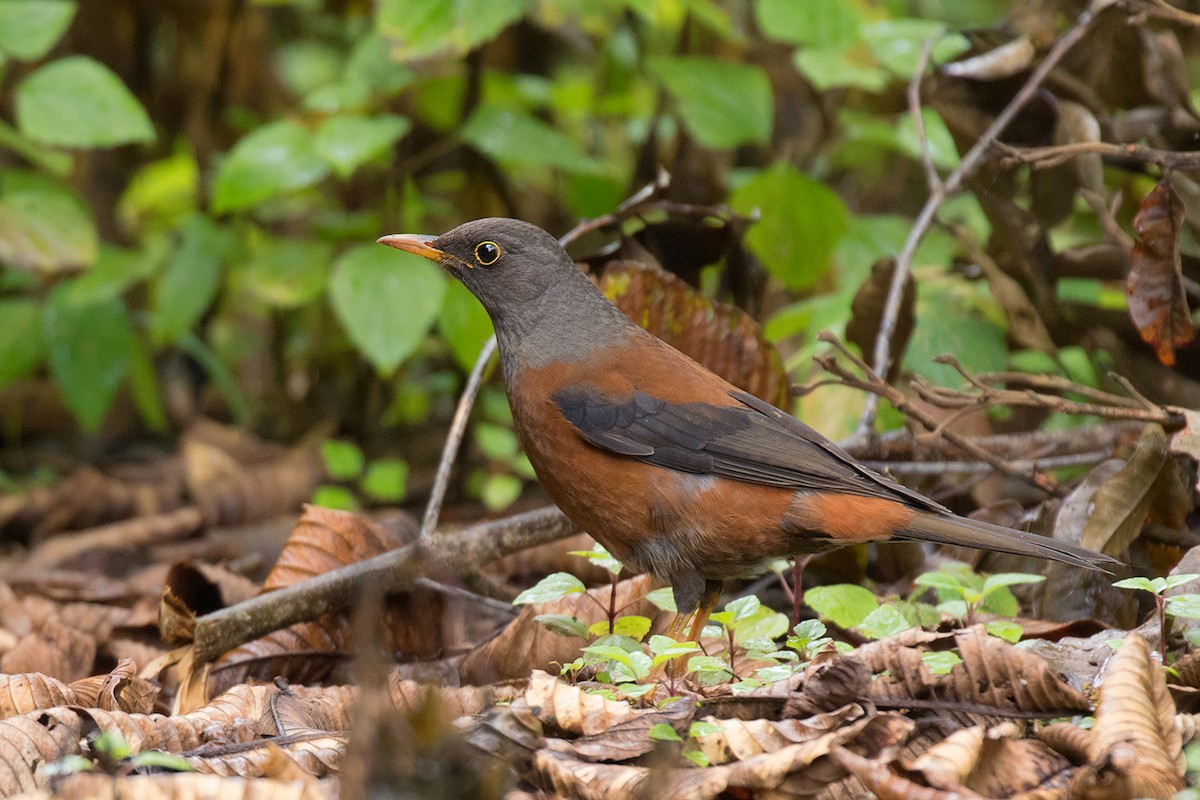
32	740
24	692
324	540
1157	300
1135	748
1120	504
1072	741
314	753
53	649
883	783
721	337
866	310
119	690
458	701
262	490
183	786
994	763
993	674
999	62
570	710
525	644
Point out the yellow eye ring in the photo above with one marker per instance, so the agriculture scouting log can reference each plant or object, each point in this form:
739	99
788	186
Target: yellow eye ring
487	253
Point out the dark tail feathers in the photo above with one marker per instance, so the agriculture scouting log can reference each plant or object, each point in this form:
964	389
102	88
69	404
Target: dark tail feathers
986	536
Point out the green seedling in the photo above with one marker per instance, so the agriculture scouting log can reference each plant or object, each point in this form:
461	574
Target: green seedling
1186	606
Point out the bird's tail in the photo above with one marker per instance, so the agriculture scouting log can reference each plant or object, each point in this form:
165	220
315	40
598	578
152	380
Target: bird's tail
986	536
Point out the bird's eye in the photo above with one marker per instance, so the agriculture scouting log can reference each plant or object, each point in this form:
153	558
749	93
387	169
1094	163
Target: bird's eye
487	253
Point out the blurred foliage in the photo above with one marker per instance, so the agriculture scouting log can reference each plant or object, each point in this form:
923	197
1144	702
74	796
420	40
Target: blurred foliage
189	192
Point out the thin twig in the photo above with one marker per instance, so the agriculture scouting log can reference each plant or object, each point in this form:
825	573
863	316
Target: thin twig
1161	9
1053	155
458	427
932	179
876	385
979	467
940	193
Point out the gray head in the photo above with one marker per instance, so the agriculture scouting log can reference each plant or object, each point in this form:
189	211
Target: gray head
506	263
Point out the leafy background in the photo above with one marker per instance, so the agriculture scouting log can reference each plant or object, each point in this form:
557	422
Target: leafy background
189	193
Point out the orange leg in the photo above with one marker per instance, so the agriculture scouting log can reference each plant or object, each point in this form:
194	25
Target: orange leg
708	602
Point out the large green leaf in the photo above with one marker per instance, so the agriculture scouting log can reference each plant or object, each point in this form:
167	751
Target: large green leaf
518	139
44	228
29	28
816	23
950	321
188	285
286	272
116	270
348	142
79	102
800	223
276	158
386	301
423	27
722	104
20	338
90	347
464	324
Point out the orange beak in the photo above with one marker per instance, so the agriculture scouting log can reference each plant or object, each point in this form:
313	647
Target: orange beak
419	243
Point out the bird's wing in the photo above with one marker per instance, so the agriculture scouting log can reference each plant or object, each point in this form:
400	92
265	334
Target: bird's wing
752	442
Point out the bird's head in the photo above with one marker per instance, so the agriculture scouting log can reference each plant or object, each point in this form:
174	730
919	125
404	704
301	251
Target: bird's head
504	262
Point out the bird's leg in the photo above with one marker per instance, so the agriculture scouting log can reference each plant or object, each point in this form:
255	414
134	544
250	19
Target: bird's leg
712	595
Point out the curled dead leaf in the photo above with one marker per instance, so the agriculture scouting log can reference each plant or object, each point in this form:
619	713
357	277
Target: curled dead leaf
866	311
999	62
1154	289
1135	748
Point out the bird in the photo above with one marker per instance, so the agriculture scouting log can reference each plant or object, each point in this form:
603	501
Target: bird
674	470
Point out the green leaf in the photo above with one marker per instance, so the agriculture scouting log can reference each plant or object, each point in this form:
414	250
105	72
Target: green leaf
386	301
773	674
78	102
283	272
844	604
702	728
372	65
89	352
1010	632
708	664
896	43
464	324
697	757
500	490
941	663
994	582
20	338
189	284
809	629
600	557
723	104
344	461
551	587
420	28
827	68
949	321
1136	583
273	159
29	28
1184	605
386	479
157	759
822	23
882	622
663	599
800	223
1175	581
143	384
115	271
161	192
940	580
634	626
662	732
516	139
563	625
496	442
338	497
348	142
47	229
